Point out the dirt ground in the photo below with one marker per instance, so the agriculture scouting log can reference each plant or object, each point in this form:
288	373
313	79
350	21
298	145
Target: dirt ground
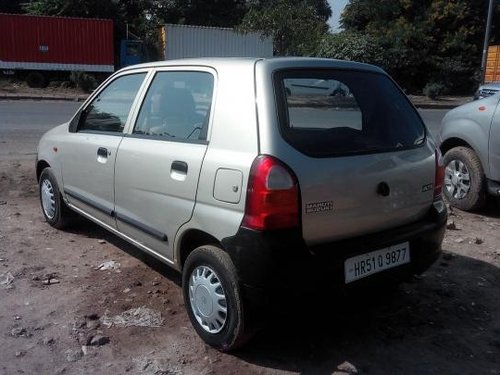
56	306
60	89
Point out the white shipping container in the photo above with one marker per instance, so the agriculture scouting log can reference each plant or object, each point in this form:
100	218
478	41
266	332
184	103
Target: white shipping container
182	41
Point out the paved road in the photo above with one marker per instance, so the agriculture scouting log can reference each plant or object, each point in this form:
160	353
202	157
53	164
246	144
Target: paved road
23	122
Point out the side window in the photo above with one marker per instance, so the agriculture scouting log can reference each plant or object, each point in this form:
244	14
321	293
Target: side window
177	106
109	111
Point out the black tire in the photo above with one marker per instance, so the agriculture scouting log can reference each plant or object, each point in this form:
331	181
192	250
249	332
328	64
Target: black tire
475	197
36	80
235	331
61	214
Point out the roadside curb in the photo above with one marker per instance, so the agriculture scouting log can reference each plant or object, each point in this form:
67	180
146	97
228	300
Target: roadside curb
443	103
72	98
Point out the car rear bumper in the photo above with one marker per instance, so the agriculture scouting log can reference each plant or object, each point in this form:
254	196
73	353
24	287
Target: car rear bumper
275	260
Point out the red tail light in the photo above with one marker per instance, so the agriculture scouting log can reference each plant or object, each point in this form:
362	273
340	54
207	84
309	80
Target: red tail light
272	196
439	179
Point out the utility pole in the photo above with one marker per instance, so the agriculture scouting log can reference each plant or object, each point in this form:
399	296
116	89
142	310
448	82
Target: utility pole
486	40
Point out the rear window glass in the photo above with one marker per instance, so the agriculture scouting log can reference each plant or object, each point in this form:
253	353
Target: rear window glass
327	113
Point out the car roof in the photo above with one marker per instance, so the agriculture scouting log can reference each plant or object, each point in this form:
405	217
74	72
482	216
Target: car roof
273	63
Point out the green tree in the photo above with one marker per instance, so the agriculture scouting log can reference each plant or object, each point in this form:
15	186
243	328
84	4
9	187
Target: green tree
428	41
122	12
217	13
353	46
75	8
296	26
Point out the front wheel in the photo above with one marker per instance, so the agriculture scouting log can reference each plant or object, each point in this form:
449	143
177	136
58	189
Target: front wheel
464	180
213	298
54	209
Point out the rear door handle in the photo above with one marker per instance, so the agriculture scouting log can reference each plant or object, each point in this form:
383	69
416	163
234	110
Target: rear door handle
179	170
180	166
103	152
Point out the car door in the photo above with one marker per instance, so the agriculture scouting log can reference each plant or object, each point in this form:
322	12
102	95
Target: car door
89	151
159	161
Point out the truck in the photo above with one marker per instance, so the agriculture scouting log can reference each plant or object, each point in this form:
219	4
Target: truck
41	48
184	41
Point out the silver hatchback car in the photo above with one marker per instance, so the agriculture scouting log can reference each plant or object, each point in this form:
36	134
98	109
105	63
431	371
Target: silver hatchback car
215	168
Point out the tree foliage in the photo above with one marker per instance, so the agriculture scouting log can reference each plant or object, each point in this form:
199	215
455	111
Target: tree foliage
425	41
191	12
75	8
218	13
353	46
296	26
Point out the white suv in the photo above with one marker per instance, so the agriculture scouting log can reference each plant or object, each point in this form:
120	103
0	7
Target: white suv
215	168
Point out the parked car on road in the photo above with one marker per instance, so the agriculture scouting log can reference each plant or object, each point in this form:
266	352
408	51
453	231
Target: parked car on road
470	143
486	90
315	87
211	166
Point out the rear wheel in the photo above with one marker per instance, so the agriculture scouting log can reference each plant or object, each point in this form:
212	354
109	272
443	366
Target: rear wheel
464	181
54	209
213	298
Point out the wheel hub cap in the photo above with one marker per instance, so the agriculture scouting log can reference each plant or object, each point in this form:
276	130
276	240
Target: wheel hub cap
203	300
208	300
457	179
48	199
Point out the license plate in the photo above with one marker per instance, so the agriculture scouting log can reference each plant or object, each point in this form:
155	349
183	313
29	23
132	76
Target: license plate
367	264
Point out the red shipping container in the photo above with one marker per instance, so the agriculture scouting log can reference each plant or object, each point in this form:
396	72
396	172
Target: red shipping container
56	43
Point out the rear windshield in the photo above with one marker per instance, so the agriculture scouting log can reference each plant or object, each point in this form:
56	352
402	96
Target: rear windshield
331	112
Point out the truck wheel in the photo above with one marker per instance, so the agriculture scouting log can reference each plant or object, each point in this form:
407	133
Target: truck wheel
36	80
213	298
55	211
464	181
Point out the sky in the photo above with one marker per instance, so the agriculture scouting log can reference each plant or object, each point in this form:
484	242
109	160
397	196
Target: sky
337	7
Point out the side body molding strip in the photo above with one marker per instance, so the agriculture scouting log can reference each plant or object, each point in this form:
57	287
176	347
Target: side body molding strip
126	219
143	227
107	210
